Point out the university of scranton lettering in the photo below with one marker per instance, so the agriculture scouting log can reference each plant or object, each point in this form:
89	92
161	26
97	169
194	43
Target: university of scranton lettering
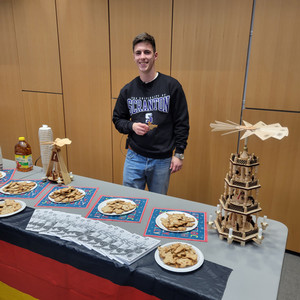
137	105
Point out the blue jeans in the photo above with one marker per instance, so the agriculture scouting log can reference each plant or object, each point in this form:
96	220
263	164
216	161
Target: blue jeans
140	170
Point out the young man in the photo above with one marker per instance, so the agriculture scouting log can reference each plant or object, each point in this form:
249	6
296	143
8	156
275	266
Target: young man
152	110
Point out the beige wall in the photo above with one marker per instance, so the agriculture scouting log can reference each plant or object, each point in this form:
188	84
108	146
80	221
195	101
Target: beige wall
210	40
63	63
273	93
85	64
37	42
12	120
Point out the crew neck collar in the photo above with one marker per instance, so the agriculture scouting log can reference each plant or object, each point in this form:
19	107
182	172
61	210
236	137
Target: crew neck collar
146	82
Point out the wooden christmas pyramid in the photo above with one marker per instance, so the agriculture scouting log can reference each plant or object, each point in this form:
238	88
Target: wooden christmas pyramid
57	170
238	210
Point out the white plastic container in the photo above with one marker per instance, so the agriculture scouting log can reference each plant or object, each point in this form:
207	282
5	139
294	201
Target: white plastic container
45	135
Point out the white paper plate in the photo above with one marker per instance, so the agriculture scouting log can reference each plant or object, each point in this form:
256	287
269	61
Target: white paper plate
6	193
165	216
23	205
180	270
81	191
2	174
102	204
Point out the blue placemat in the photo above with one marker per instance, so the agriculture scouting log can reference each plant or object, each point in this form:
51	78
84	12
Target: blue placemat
197	234
41	185
9	173
134	217
82	203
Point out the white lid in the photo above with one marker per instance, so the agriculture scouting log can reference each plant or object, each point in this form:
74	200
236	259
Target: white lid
45	127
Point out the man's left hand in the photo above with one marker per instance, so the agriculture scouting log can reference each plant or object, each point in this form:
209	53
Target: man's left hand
176	164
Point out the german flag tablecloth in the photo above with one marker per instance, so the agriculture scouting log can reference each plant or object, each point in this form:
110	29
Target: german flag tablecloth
49	268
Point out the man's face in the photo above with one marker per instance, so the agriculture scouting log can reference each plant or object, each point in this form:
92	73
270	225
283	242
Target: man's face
144	56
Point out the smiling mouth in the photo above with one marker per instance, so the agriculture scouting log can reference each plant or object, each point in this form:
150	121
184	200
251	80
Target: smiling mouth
143	64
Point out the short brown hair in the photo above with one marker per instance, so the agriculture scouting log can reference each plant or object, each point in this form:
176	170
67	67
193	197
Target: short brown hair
144	37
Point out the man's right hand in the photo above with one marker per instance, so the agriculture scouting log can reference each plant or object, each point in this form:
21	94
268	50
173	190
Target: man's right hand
140	128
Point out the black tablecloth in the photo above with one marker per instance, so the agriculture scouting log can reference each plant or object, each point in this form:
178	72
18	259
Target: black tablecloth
207	282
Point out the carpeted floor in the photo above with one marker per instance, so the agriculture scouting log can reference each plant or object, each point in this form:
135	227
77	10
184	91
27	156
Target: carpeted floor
289	287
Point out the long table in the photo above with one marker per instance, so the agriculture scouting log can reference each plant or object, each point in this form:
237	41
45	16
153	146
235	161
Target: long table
254	269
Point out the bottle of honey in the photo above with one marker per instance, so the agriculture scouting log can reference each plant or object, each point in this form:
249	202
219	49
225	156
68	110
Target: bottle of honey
23	156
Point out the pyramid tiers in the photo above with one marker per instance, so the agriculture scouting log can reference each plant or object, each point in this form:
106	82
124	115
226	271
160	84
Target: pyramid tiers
237	218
